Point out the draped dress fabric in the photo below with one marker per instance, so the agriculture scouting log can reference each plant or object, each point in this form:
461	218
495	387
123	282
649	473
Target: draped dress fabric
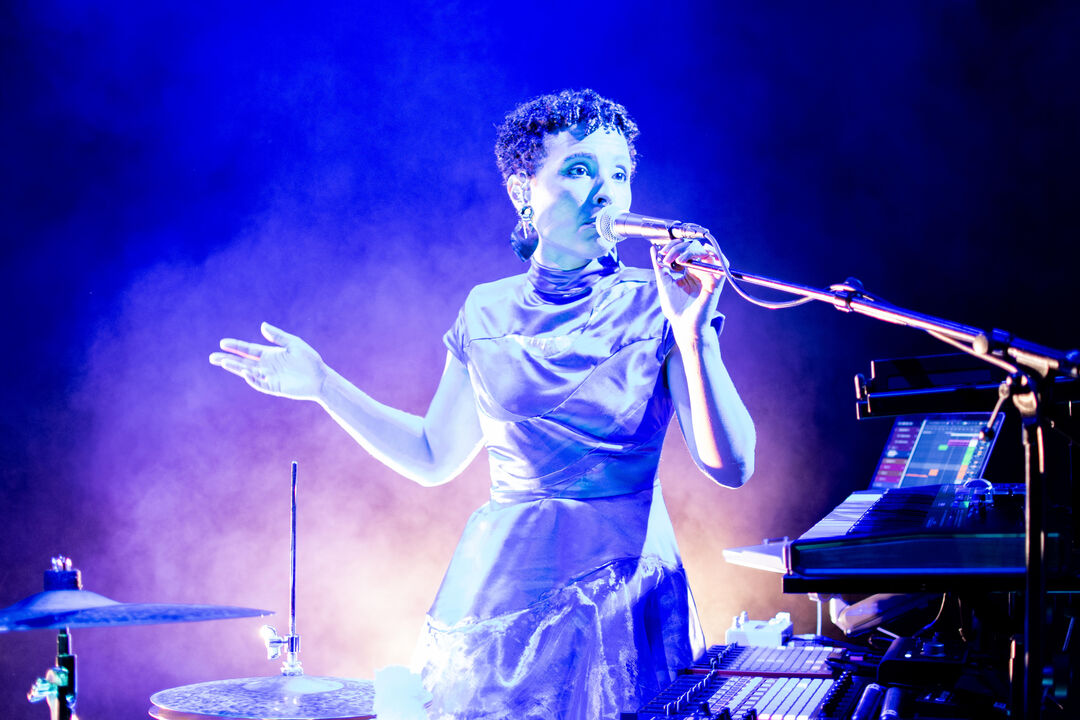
566	596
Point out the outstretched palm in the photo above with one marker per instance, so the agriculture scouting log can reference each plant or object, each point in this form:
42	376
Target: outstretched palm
289	368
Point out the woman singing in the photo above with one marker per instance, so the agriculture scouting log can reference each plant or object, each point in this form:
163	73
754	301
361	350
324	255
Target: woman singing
566	596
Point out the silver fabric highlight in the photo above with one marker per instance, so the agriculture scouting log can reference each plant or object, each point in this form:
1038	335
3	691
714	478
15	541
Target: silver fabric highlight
566	596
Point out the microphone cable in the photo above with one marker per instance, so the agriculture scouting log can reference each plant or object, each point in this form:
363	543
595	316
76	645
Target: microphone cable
760	302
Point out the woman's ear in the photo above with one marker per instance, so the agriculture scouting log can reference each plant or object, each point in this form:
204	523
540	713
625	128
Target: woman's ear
517	187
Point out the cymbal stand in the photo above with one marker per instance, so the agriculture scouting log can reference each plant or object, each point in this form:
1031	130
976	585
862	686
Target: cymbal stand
290	666
57	688
1029	390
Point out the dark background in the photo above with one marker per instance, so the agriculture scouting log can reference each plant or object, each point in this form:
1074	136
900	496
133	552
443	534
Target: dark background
175	174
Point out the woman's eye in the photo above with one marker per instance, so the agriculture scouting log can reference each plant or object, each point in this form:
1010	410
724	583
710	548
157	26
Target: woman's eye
619	175
578	170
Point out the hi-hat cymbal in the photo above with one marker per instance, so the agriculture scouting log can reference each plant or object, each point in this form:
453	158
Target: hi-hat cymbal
81	608
302	697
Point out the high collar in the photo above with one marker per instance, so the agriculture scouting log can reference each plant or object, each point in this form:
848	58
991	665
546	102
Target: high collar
557	285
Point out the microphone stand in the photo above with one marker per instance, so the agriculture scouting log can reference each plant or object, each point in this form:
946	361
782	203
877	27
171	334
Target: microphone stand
849	296
1030	391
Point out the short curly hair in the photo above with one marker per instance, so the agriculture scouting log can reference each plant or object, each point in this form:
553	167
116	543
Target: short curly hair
519	142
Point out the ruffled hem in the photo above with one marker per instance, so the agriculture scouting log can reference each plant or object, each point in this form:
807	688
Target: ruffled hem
601	645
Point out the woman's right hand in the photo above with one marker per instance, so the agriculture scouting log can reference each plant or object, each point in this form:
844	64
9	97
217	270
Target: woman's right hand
289	368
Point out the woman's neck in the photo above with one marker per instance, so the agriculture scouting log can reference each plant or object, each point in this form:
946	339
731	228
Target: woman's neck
558	259
561	285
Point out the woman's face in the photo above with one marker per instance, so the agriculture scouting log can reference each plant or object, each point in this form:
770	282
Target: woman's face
579	176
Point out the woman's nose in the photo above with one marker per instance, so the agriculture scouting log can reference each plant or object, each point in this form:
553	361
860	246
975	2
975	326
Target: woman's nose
602	194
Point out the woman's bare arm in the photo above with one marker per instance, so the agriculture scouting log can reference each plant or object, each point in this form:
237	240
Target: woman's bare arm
430	449
715	423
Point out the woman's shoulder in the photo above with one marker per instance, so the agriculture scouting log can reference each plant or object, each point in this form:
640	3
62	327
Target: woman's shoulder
495	291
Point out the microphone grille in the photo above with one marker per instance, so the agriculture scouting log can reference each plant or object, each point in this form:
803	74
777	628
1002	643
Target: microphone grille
605	224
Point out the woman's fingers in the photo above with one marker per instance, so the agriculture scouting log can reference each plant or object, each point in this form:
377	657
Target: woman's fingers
276	335
676	258
233	364
670	262
289	367
680	251
251	351
253	374
254	351
252	371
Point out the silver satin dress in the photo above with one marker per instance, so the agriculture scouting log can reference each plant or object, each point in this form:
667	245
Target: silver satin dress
566	596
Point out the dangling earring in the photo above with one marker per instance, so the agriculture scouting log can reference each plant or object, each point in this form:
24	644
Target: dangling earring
524	238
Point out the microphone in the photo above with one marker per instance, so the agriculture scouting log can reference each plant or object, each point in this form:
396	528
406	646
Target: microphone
614	226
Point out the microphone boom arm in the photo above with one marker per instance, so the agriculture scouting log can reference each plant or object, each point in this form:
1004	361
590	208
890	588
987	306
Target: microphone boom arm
849	297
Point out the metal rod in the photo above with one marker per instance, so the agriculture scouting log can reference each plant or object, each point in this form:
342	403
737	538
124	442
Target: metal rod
1035	577
850	299
292	549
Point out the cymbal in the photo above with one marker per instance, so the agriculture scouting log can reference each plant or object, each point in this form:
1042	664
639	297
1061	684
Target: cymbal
80	609
302	697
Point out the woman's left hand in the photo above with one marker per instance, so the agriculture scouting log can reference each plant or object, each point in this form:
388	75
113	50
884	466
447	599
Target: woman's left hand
688	296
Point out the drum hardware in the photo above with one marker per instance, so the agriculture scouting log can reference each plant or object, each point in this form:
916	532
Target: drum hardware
63	605
290	666
57	688
288	696
274	645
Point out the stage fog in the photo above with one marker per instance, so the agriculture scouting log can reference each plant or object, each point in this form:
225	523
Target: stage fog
175	176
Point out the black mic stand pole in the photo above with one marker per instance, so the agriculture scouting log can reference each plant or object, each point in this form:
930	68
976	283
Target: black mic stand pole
1029	392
